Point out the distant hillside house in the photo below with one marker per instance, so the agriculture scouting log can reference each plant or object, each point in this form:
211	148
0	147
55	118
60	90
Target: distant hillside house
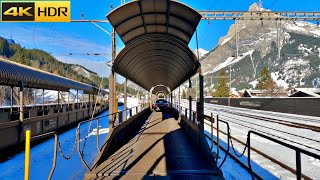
305	92
262	93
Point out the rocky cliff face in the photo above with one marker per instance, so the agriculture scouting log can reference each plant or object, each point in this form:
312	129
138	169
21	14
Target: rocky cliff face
299	64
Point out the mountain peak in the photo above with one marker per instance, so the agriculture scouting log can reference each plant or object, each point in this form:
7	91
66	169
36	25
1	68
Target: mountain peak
255	7
202	52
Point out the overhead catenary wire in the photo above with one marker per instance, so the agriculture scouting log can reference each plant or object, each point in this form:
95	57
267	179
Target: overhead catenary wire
34	30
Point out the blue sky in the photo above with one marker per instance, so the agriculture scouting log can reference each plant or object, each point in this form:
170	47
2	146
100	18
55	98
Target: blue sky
61	39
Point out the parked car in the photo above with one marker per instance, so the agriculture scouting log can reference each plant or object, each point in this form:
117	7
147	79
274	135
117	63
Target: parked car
161	105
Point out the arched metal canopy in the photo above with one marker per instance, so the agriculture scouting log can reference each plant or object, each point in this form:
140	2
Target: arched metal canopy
12	73
156	35
157	89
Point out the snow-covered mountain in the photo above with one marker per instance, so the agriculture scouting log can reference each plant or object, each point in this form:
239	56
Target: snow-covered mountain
299	64
83	71
202	52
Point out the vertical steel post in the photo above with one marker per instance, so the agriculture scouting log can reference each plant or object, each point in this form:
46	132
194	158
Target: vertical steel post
196	97
77	99
42	101
190	99
298	165
249	155
93	101
21	110
149	99
218	137
58	101
89	102
125	99
229	100
279	38
201	102
35	98
211	121
111	100
237	38
11	100
27	156
179	97
112	84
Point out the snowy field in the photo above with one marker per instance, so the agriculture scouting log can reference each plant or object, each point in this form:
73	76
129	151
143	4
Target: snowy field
241	120
42	154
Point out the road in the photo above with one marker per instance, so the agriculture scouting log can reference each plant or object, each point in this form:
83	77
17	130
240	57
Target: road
301	131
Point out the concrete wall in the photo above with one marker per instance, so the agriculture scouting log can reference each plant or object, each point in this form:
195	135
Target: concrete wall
302	106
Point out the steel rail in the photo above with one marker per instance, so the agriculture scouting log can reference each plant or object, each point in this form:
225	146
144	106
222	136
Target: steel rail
262	154
297	149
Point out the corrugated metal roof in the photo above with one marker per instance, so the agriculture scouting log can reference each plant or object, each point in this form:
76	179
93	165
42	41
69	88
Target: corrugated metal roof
11	73
160	89
156	35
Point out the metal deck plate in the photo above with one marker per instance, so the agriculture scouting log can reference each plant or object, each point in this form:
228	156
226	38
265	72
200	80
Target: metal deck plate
159	149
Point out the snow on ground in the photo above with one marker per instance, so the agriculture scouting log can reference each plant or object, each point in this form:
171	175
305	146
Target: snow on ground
303	27
131	102
42	154
302	138
230	61
254	83
225	41
280	82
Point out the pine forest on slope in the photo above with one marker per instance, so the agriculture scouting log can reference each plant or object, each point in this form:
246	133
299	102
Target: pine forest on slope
42	60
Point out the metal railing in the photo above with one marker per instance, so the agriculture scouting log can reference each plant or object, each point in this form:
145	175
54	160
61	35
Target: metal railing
56	144
190	115
185	111
118	119
297	150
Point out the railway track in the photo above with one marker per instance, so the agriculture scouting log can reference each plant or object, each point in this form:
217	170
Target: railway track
257	151
278	121
270	134
262	123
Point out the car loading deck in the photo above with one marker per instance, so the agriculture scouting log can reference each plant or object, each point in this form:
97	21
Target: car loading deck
156	57
160	147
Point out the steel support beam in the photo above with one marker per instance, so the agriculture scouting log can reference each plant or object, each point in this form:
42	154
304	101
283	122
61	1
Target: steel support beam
240	15
229	101
179	97
125	99
112	85
279	27
111	100
258	15
201	103
11	99
58	101
89	101
190	99
21	110
77	99
237	38
42	101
